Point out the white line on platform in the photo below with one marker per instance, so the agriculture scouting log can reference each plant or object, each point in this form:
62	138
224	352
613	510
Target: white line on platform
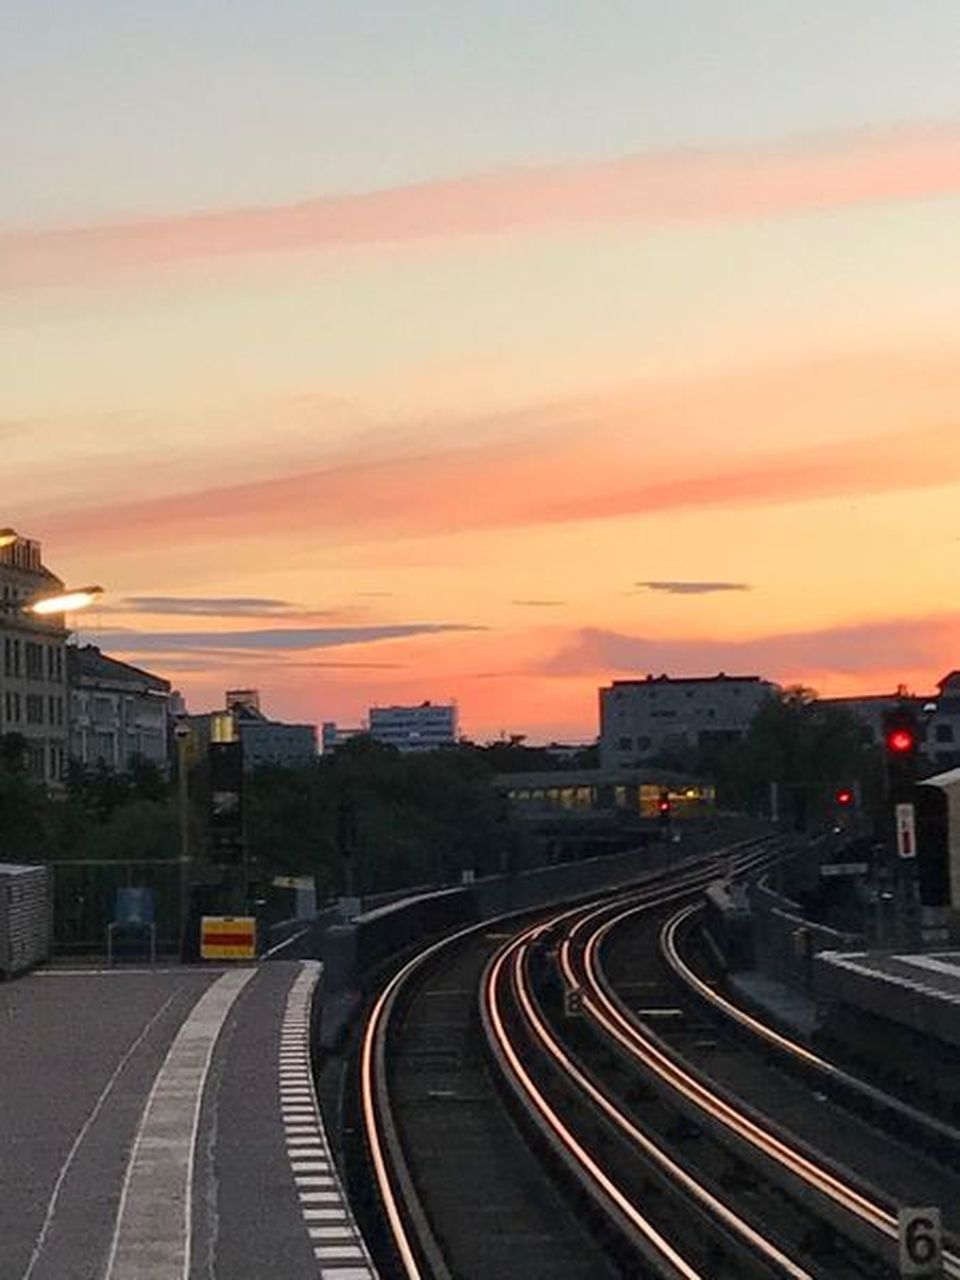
88	1123
152	1235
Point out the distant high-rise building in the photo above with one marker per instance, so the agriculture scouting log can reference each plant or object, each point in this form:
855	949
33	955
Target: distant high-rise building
33	674
421	728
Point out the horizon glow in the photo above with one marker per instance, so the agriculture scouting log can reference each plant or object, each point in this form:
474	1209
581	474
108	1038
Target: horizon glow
480	356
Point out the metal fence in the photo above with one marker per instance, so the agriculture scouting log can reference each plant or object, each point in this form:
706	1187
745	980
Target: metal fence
85	899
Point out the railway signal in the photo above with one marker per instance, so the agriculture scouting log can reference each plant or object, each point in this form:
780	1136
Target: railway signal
901	743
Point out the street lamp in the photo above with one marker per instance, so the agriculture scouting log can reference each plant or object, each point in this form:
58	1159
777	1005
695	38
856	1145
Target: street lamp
8	537
64	601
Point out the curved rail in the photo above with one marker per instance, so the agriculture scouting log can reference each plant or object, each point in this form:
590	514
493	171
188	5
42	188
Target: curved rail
416	1247
942	1133
517	953
608	1012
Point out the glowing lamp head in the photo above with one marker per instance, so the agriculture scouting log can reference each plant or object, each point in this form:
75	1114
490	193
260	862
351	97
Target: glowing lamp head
66	602
901	741
7	537
844	797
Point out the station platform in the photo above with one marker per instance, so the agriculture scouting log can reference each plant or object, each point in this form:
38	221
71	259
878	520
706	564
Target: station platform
918	991
161	1123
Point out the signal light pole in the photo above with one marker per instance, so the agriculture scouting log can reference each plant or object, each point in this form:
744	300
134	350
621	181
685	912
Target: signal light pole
901	742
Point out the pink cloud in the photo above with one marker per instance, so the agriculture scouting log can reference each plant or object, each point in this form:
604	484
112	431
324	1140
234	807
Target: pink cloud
548	479
664	187
905	649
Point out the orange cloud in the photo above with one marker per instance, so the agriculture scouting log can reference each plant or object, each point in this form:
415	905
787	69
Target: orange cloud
547	480
689	185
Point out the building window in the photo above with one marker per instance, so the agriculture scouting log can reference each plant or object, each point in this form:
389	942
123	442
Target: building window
625	744
11	657
36	758
34	659
34	708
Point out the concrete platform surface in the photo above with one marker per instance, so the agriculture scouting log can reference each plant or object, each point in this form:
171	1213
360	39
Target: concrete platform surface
162	1123
920	990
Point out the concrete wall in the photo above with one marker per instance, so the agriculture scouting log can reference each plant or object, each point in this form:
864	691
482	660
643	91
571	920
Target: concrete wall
353	950
785	943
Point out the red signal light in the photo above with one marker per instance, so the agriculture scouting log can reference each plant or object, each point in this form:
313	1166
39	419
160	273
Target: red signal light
845	797
901	741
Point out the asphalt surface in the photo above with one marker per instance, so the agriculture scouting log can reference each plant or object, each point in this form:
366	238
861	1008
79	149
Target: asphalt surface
247	1219
83	1068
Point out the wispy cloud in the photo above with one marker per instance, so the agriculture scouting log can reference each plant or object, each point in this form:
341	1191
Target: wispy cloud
539	604
209	606
276	639
541	480
680	588
680	186
352	666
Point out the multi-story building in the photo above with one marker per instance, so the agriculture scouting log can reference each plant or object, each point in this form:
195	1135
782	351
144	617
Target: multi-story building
938	715
641	719
118	713
33	676
422	728
265	741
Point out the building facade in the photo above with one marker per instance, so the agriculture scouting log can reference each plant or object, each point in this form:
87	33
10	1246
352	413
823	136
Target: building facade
426	727
938	718
642	719
33	671
118	713
265	741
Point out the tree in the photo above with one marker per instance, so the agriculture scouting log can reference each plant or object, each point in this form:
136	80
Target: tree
804	746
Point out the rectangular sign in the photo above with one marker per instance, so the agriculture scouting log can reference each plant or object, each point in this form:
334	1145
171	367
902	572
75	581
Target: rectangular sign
921	1246
845	868
228	938
906	831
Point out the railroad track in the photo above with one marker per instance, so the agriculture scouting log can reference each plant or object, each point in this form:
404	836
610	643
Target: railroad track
928	1132
850	1205
403	1027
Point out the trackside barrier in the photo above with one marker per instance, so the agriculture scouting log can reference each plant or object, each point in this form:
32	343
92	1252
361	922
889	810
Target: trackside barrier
353	949
785	942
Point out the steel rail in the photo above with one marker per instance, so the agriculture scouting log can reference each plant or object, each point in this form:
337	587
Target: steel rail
394	1184
784	1044
676	1173
608	1012
564	1135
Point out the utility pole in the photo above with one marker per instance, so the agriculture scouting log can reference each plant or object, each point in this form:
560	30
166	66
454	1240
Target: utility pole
181	734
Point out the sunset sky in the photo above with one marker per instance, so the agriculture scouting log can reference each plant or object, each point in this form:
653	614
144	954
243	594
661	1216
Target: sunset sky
384	350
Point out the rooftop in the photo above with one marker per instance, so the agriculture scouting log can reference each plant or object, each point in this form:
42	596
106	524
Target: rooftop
87	662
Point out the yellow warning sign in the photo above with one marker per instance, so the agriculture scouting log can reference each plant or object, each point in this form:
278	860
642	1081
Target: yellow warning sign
228	938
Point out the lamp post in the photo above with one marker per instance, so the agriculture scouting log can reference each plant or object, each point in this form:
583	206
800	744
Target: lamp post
181	733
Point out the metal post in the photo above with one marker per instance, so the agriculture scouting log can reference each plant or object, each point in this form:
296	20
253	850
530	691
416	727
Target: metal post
182	733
